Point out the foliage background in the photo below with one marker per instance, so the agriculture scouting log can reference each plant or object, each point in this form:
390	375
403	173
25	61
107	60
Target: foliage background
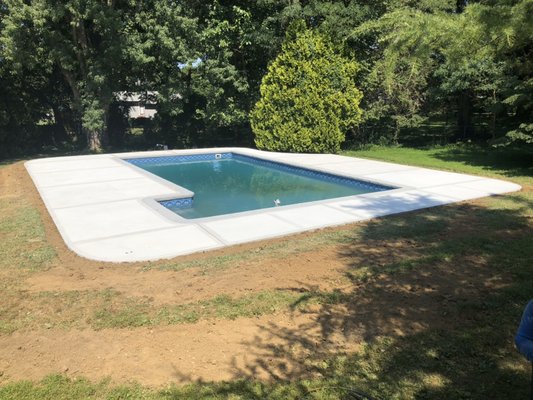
442	71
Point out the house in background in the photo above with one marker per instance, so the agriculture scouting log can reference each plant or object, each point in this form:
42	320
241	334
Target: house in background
141	105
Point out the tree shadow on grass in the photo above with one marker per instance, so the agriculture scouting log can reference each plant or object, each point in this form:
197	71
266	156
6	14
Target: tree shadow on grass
511	162
429	310
450	295
474	270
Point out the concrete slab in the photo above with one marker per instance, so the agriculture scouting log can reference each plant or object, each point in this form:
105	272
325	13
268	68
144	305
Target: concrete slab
307	159
458	193
77	176
490	186
72	164
98	192
371	206
420	177
105	208
312	217
163	243
363	168
242	229
108	219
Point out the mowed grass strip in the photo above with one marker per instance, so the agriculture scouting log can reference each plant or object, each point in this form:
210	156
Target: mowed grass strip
110	309
462	158
219	307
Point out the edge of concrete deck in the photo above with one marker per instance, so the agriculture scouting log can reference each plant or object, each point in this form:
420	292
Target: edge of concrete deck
106	210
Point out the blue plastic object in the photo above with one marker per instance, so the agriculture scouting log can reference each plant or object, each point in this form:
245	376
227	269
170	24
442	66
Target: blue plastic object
524	336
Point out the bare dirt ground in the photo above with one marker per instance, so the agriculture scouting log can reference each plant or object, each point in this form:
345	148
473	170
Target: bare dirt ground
279	345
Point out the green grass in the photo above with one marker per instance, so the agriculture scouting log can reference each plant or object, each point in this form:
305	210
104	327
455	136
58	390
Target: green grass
57	387
470	159
472	262
135	314
110	309
23	242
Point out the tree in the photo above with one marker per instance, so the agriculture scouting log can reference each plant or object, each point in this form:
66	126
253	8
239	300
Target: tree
61	64
399	62
83	41
99	48
472	56
308	97
215	88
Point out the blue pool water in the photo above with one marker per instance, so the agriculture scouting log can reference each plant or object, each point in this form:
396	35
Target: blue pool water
229	183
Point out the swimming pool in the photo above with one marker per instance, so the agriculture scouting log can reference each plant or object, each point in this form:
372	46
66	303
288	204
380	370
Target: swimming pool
108	209
227	183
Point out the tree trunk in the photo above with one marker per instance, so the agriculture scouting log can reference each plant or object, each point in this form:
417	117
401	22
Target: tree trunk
97	139
493	122
460	6
62	123
465	128
104	133
76	104
93	140
396	134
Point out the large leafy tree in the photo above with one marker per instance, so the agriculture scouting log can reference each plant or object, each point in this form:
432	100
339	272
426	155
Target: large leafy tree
235	43
308	97
99	49
81	40
214	87
205	96
161	39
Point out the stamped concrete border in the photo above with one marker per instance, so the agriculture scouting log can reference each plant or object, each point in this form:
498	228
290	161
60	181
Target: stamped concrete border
106	209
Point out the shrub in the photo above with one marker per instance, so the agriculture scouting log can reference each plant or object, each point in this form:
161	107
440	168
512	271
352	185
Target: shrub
308	98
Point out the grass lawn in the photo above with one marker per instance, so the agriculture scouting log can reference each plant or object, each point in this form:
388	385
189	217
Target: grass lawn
431	298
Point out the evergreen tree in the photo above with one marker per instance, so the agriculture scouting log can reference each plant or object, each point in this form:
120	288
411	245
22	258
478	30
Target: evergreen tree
308	97
474	57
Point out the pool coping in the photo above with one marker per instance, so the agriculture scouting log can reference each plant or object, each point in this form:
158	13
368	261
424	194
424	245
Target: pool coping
107	209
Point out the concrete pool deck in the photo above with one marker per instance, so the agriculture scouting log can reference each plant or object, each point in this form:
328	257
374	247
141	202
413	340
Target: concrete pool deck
105	208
